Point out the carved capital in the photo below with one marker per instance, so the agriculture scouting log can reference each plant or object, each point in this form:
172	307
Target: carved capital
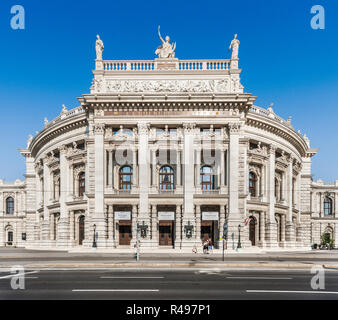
143	128
189	127
99	128
63	149
272	149
234	127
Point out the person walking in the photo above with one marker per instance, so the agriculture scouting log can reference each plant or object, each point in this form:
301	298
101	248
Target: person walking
210	246
205	247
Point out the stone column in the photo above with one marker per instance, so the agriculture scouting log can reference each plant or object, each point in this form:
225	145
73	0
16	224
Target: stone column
154	168
111	226
110	169
198	223
222	184
188	185
271	226
282	236
154	221
262	228
221	224
71	228
99	214
198	169
178	164
290	236
134	221
134	168
63	226
144	162
234	218
47	196
178	227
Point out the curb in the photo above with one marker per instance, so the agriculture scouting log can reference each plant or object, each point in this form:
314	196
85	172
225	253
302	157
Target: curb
174	265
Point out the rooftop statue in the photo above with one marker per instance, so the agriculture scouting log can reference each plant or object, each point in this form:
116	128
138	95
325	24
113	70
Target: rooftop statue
235	46
99	48
166	50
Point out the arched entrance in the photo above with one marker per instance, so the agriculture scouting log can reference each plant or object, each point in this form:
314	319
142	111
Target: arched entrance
81	229
252	230
9	235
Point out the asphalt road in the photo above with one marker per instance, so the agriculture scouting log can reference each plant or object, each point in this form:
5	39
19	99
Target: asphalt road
215	284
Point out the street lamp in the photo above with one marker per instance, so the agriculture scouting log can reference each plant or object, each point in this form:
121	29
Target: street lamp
94	237
239	237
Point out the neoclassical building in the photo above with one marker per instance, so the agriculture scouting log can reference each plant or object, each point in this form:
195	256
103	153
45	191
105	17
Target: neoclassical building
167	151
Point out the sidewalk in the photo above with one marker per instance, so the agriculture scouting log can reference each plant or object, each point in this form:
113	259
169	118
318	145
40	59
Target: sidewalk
254	250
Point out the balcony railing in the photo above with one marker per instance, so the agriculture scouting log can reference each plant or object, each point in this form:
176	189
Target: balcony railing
179	65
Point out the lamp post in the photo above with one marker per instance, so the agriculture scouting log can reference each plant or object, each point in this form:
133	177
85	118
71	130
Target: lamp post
239	245
94	237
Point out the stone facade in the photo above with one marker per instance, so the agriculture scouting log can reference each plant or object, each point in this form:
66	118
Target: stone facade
167	151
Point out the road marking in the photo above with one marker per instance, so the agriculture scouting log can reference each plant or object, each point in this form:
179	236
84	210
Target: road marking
115	290
260	278
108	277
17	274
286	291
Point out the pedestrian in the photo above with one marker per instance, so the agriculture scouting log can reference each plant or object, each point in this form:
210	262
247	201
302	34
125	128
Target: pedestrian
210	246
194	249
205	247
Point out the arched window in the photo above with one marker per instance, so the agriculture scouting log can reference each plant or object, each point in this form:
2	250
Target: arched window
82	183
126	174
327	206
207	178
9	205
252	184
166	178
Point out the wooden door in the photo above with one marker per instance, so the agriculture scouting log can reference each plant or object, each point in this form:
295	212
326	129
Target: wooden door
81	229
165	229
125	233
207	231
252	231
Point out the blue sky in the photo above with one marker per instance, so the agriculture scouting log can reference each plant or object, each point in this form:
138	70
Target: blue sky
284	60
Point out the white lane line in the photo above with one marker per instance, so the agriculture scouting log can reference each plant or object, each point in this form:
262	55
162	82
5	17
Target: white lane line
108	277
115	290
286	291
260	278
18	274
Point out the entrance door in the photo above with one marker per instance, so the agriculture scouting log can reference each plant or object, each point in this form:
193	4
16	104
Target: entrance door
207	231
252	231
81	229
10	238
125	234
166	232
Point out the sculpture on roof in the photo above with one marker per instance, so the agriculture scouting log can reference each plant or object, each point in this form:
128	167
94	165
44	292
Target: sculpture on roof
99	48
166	50
235	46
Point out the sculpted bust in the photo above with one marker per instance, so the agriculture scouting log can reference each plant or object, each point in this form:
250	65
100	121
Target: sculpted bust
166	50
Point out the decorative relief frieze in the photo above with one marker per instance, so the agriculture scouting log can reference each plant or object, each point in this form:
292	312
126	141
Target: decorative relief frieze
132	86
